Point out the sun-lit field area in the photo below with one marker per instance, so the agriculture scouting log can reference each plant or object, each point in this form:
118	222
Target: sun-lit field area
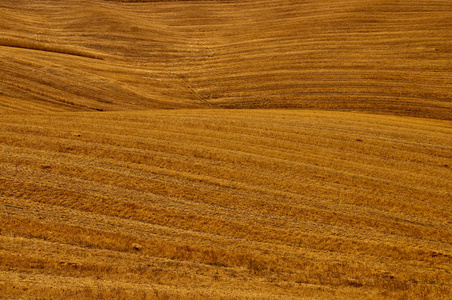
226	203
381	56
226	149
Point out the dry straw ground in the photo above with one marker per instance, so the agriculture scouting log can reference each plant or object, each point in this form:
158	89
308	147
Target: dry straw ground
381	56
123	176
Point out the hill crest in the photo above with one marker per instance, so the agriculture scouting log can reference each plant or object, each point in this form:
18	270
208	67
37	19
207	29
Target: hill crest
383	57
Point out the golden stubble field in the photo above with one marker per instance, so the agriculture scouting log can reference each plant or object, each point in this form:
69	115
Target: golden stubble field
127	170
392	57
225	204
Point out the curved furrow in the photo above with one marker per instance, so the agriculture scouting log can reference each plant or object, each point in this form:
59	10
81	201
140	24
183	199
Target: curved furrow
337	55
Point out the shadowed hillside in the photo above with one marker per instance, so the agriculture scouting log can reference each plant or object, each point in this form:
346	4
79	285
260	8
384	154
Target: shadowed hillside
390	57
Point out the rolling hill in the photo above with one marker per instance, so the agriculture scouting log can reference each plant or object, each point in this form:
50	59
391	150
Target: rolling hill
225	149
388	57
208	203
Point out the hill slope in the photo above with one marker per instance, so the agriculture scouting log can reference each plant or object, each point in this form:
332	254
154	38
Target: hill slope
222	204
390	57
122	176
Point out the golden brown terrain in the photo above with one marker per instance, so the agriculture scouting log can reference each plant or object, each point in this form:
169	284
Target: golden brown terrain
249	203
381	56
127	170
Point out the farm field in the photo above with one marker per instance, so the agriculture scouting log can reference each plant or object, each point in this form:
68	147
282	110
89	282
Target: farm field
226	149
226	203
392	57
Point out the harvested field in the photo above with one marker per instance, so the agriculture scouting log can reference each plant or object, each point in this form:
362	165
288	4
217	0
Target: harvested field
391	57
225	149
221	203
